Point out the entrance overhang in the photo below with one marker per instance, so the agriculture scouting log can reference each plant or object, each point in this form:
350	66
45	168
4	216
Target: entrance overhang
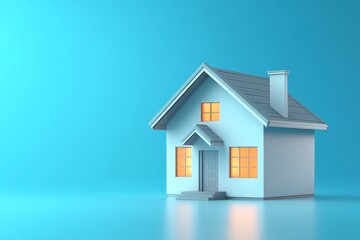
204	132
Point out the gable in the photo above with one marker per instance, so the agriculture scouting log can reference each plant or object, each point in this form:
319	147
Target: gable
232	122
188	88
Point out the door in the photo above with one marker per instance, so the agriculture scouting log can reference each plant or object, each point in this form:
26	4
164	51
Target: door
210	171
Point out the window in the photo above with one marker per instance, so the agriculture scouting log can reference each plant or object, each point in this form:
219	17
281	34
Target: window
183	162
243	162
210	111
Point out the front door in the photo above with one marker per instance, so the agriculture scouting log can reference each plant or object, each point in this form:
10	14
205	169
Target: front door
210	171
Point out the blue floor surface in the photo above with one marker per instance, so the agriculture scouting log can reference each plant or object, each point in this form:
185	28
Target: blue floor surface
111	216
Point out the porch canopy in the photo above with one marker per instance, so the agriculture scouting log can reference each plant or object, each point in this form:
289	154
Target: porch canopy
205	133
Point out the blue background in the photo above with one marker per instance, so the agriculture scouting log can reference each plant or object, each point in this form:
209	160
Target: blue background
80	80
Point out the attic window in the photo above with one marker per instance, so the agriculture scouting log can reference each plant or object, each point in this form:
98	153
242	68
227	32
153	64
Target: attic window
210	111
243	162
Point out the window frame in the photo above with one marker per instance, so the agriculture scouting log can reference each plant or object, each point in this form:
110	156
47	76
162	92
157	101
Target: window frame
211	112
186	159
241	164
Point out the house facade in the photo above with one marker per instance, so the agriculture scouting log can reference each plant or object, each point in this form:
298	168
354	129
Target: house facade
224	133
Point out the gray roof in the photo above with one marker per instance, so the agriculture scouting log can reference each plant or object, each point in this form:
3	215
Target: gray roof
204	132
253	92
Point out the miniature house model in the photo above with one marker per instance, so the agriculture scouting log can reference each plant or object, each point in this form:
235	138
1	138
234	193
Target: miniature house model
237	135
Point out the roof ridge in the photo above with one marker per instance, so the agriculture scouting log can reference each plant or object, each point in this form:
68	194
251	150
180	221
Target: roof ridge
239	73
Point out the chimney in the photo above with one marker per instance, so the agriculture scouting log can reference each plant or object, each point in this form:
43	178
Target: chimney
279	91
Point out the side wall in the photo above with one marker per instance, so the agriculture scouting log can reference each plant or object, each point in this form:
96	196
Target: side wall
237	127
289	162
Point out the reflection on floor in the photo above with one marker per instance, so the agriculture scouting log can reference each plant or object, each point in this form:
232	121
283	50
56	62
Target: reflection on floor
243	222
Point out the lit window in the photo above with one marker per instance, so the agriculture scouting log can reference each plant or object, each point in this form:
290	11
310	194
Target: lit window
183	162
210	111
243	162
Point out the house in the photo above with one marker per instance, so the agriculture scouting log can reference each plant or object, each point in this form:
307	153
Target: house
239	135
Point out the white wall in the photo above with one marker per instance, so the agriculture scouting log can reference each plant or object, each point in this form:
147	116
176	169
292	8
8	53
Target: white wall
289	162
237	127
